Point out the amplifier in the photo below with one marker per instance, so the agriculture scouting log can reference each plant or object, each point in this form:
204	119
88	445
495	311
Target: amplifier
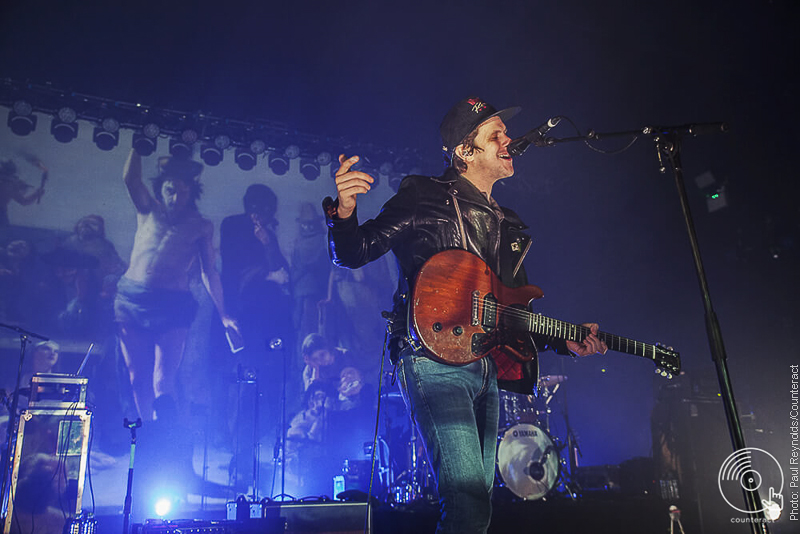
330	517
58	391
599	478
201	526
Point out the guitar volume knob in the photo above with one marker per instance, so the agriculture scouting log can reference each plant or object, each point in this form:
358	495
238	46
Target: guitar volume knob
458	330
437	327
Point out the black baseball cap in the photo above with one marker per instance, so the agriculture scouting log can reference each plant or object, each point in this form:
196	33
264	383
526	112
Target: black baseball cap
465	117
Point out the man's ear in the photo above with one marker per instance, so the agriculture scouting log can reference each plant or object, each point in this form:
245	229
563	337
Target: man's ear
463	154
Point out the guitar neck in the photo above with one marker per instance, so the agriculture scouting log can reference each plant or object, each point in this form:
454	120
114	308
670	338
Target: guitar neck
546	326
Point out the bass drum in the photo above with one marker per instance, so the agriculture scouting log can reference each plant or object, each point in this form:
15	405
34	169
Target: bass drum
527	461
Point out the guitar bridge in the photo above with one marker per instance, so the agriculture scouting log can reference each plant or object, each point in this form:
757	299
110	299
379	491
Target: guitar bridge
476	295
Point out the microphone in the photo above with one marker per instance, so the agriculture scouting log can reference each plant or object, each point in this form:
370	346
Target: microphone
518	146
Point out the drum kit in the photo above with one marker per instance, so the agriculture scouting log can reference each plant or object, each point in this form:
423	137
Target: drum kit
530	464
528	458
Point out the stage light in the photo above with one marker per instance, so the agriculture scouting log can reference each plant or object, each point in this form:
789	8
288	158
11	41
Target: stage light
179	149
64	126
143	145
189	136
222	141
292	151
182	147
146	141
110	124
309	168
245	158
258	147
151	130
279	163
211	154
106	136
324	158
163	506
21	119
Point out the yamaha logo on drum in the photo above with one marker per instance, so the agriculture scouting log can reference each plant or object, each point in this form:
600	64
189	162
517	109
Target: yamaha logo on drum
524	433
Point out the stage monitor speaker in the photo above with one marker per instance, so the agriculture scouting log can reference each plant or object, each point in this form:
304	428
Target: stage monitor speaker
50	460
323	517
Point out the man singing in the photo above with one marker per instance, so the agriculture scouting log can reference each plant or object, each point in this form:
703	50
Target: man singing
455	407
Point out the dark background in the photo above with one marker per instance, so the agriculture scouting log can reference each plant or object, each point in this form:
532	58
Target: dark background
609	240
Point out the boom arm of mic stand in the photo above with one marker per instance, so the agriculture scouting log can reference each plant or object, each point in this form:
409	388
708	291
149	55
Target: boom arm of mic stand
695	129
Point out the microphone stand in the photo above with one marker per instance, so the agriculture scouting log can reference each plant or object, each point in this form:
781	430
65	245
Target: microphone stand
12	413
126	510
276	344
668	143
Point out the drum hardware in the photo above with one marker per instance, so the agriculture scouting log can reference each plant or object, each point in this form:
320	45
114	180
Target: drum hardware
415	482
517	408
570	463
549	381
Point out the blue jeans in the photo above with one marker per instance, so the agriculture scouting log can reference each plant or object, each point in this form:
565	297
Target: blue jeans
456	411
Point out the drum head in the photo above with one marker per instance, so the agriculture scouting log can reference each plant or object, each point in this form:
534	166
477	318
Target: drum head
527	461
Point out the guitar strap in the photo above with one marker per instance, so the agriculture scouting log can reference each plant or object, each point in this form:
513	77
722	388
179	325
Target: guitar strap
460	222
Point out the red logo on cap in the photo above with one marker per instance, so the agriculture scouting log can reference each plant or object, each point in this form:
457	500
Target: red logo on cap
477	105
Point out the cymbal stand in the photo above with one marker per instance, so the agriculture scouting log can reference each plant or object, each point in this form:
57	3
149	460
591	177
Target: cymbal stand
573	449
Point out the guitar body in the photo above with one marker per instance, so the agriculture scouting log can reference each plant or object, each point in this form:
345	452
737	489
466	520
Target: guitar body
461	312
449	312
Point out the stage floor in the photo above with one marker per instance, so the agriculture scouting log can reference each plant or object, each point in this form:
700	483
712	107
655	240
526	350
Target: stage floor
592	513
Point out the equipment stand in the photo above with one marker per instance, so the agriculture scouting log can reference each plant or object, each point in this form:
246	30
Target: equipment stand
126	512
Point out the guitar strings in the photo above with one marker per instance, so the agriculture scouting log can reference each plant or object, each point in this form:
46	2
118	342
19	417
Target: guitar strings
581	330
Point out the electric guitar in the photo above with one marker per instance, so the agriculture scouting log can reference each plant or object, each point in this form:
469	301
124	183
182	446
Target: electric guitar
461	312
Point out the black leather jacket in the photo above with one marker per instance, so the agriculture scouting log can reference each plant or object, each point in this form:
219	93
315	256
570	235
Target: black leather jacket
426	216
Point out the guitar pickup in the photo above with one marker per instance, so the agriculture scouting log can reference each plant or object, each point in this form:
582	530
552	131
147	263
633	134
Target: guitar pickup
489	315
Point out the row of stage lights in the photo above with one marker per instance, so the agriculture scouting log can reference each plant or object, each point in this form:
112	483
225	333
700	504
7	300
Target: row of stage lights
248	141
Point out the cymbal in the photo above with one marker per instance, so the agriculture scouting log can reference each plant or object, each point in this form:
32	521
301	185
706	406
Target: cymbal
549	381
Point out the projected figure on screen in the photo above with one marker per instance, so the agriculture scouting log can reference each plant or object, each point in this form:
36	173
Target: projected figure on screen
255	277
255	274
13	188
153	306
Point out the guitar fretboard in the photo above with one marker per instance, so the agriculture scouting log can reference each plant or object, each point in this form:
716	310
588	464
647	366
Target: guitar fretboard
546	326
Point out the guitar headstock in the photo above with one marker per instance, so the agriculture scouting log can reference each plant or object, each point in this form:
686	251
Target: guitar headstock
667	360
